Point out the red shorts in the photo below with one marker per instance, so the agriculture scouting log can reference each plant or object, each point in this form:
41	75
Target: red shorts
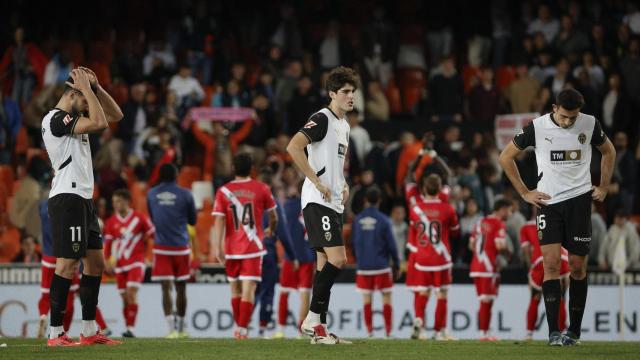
368	281
301	279
48	269
132	277
412	278
536	273
170	267
487	287
244	269
434	279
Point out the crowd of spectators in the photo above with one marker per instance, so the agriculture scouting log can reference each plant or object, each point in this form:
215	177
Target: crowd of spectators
424	67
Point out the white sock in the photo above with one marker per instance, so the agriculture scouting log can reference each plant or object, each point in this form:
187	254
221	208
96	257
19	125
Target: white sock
281	327
89	328
180	324
55	332
171	322
312	318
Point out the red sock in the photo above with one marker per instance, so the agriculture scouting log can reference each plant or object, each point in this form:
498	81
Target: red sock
100	319
419	304
368	317
562	316
125	314
68	312
44	304
441	315
283	308
484	315
132	313
387	312
532	314
235	308
246	308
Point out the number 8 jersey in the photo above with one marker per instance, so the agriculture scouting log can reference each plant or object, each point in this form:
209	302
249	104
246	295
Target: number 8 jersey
433	222
242	203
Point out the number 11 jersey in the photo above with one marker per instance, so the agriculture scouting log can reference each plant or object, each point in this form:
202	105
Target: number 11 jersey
242	203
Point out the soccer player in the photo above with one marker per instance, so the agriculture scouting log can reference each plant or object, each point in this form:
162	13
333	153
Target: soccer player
74	222
126	235
373	246
434	223
238	234
325	137
489	239
172	209
295	276
532	256
562	140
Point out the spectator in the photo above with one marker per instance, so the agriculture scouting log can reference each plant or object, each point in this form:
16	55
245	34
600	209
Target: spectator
545	24
630	71
187	89
556	83
595	72
377	105
483	102
400	229
24	207
625	171
233	96
591	97
329	49
10	123
570	41
600	45
286	86
304	102
598	232
621	230
542	68
28	253
615	107
359	136
287	36
135	117
632	18
58	69
358	192
446	93
159	63
523	91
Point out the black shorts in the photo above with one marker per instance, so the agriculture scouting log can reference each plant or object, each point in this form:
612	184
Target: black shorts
74	226
324	226
567	223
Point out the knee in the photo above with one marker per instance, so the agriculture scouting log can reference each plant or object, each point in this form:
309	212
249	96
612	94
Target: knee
338	261
552	265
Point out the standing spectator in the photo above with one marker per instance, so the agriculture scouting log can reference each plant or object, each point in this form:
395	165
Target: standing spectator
615	107
598	232
596	74
28	253
233	96
58	69
556	83
400	229
545	24
513	224
187	88
359	136
542	68
135	117
10	123
625	171
468	220
483	102
621	230
286	85
446	93
630	71
329	49
303	103
570	41
600	44
523	91
377	105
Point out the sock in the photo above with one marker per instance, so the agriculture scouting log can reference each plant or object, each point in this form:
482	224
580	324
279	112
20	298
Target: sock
125	314
484	316
89	291
551	291
322	288
532	313
283	308
387	313
323	314
180	323
132	314
419	305
55	332
246	308
313	318
58	297
577	301
441	315
89	328
68	312
368	317
100	319
171	322
562	315
235	308
43	304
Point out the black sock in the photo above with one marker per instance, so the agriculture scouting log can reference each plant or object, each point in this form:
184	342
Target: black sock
577	301
323	315
58	293
89	290
551	291
322	288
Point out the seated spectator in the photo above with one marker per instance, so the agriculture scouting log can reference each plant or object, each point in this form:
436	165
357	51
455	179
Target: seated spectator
570	41
188	90
28	253
159	60
377	105
233	96
400	229
135	117
557	82
468	220
543	67
24	206
596	74
621	230
58	69
446	93
616	107
544	23
304	102
523	91
359	136
484	102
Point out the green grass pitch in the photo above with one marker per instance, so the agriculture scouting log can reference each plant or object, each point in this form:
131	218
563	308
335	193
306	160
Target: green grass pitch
302	350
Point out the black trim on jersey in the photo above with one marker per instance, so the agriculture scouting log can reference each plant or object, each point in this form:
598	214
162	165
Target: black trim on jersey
334	114
322	171
554	120
540	176
58	127
316	127
65	163
598	137
526	138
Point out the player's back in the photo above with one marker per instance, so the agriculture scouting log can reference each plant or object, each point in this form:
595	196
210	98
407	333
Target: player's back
433	222
529	235
242	203
487	232
171	208
370	240
126	235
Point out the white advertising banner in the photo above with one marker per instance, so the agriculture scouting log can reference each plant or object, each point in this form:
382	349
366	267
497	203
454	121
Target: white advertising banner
509	125
209	315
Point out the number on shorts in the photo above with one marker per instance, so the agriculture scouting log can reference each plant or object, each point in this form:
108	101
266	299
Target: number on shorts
76	230
247	215
326	223
541	222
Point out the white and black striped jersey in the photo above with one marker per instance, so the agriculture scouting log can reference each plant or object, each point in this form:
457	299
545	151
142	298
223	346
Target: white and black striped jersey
70	155
563	155
329	138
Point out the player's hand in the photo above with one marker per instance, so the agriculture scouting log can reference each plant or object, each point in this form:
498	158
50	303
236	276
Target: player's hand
220	256
80	81
536	198
397	274
268	232
325	191
345	194
93	79
296	265
599	193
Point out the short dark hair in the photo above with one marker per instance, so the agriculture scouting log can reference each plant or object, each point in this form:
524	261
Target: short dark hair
372	195
168	173
501	203
433	184
123	193
341	76
242	164
570	99
68	88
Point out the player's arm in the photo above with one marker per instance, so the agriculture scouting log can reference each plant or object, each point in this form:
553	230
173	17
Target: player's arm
218	237
108	256
96	120
525	248
273	222
393	250
195	246
111	109
604	145
507	161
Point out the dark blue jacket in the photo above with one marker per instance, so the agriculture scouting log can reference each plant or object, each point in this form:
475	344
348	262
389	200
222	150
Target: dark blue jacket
171	208
295	223
282	234
47	241
372	241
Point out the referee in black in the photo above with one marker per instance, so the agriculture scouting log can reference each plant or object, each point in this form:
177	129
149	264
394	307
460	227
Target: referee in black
563	141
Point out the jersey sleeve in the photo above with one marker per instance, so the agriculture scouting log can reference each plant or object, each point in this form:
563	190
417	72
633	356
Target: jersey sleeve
316	127
598	137
63	123
147	226
524	239
220	206
525	138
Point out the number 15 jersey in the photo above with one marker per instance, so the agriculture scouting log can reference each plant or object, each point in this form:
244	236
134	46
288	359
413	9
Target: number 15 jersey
433	222
242	203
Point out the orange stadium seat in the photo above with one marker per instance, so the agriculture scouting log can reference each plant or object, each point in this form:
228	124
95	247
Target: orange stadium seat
138	192
10	239
204	223
7	177
504	77
188	174
22	142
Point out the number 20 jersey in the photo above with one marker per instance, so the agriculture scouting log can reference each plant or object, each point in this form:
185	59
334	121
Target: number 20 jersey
242	203
433	223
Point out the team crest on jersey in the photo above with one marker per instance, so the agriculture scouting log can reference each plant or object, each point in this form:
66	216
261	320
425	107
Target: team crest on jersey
539	235
75	247
582	138
327	236
310	124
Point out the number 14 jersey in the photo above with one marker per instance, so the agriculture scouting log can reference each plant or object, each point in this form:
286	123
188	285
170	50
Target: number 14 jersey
242	203
433	222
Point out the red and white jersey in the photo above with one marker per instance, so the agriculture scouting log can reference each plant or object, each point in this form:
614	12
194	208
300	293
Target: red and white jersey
125	239
433	222
529	237
489	231
412	197
242	203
